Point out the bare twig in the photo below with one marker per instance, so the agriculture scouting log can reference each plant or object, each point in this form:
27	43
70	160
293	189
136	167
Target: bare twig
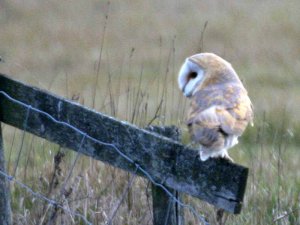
126	190
100	54
22	141
285	214
201	48
156	115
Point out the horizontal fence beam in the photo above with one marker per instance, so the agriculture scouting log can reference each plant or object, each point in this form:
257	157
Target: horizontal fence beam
121	144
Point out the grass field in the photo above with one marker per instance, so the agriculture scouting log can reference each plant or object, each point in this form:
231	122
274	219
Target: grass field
122	58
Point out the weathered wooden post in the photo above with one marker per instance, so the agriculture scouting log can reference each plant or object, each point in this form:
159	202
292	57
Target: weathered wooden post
5	213
124	146
165	209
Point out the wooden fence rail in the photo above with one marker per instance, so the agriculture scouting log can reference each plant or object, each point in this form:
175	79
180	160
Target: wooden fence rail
168	162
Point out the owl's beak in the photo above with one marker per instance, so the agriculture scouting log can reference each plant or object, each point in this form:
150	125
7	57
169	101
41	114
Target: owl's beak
185	93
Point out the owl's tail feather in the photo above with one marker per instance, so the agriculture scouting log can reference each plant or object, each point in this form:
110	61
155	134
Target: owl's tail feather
206	153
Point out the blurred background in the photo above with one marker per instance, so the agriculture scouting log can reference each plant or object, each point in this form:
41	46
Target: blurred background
122	58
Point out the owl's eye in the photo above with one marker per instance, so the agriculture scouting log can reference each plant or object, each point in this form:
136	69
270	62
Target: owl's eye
192	75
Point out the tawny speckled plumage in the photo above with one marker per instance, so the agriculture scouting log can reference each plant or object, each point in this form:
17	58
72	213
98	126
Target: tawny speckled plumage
220	108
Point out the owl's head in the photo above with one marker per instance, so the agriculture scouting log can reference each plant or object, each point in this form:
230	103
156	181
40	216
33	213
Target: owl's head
203	68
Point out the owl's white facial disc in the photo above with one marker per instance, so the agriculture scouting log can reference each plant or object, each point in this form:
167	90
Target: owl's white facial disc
190	77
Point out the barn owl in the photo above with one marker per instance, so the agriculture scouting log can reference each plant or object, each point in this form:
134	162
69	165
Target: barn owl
220	108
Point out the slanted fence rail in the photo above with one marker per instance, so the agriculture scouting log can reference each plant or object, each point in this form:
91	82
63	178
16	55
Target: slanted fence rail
172	167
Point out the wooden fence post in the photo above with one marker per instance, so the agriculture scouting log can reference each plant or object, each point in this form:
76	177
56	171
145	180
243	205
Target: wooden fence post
165	210
5	212
123	145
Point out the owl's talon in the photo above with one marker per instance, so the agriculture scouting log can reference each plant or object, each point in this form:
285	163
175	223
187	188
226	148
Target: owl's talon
228	158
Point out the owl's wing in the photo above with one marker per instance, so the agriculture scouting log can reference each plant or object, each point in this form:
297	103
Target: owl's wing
217	113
